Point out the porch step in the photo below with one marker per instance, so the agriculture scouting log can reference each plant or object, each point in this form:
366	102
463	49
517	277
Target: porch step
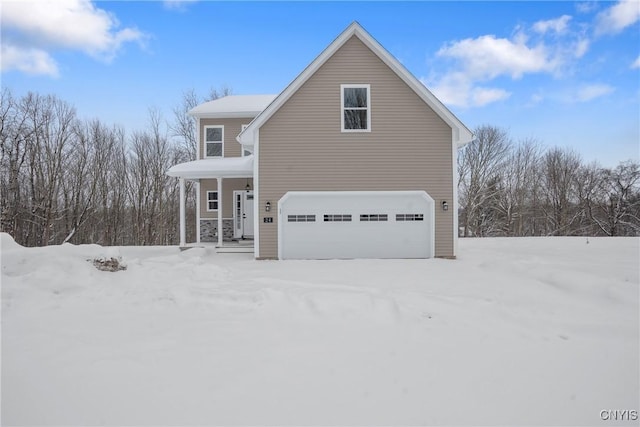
235	249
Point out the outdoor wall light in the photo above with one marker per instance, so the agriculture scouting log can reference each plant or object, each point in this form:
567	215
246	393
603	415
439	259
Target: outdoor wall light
248	186
267	206
445	205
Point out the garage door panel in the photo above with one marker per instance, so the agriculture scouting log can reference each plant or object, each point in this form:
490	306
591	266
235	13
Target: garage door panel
356	225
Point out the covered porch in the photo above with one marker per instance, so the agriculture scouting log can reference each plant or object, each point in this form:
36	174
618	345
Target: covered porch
224	171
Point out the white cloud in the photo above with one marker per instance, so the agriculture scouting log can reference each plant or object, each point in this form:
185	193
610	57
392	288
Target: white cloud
558	25
456	89
30	61
487	57
545	47
618	17
485	95
589	92
636	63
586	6
581	47
39	26
180	5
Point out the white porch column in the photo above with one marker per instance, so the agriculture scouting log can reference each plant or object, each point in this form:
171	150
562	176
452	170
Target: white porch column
197	185
183	226
220	230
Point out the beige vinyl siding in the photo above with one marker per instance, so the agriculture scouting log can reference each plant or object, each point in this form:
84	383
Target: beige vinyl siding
302	147
228	186
232	128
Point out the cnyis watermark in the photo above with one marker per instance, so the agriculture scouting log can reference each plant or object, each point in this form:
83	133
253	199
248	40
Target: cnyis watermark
619	415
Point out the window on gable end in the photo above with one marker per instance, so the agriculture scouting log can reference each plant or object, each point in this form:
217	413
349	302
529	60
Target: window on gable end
356	107
213	141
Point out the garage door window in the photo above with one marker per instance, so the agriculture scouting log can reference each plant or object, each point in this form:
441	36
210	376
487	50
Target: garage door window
409	217
373	217
301	218
337	218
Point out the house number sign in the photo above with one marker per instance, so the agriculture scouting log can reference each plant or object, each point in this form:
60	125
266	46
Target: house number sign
267	219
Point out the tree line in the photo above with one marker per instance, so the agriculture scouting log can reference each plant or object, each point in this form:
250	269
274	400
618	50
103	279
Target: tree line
511	188
67	179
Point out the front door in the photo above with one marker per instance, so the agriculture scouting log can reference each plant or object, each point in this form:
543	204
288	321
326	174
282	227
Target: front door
243	214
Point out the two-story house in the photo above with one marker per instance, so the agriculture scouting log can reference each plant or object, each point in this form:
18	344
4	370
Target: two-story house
355	158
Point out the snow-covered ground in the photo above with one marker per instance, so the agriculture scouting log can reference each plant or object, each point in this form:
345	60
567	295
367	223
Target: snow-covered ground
515	332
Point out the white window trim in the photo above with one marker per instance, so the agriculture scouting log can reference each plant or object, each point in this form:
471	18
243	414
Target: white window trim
217	200
204	139
346	86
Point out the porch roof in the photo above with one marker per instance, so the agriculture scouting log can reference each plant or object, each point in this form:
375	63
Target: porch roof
227	167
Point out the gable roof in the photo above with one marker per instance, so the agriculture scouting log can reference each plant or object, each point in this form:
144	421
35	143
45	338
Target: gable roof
232	106
461	134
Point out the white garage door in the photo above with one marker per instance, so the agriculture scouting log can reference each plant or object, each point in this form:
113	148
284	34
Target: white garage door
355	224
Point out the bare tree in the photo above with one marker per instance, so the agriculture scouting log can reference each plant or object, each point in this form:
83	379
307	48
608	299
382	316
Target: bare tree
621	200
479	167
559	189
519	183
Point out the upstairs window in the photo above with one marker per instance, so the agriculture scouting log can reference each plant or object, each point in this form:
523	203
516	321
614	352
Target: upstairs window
356	107
213	141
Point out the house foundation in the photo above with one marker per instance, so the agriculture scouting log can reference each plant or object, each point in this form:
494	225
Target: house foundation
209	230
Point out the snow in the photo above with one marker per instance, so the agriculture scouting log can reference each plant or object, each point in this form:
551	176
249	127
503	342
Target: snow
515	332
227	167
233	106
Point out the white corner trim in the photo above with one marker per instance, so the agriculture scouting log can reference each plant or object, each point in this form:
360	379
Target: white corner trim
256	197
198	141
454	202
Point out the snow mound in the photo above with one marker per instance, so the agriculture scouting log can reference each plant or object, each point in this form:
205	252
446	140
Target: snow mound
7	243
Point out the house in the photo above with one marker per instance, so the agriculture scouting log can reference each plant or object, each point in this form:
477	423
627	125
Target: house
355	158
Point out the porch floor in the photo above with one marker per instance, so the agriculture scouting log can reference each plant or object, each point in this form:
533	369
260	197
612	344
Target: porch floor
231	246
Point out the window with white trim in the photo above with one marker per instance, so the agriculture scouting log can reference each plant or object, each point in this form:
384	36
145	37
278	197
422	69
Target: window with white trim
214	141
373	217
212	201
337	218
244	151
355	102
301	218
409	217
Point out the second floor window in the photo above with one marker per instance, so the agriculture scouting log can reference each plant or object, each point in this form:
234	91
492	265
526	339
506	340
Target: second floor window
213	141
356	107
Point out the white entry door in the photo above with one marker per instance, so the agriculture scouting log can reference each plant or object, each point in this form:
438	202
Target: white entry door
243	214
356	224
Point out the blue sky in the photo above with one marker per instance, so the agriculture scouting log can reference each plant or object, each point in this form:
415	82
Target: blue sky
564	73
